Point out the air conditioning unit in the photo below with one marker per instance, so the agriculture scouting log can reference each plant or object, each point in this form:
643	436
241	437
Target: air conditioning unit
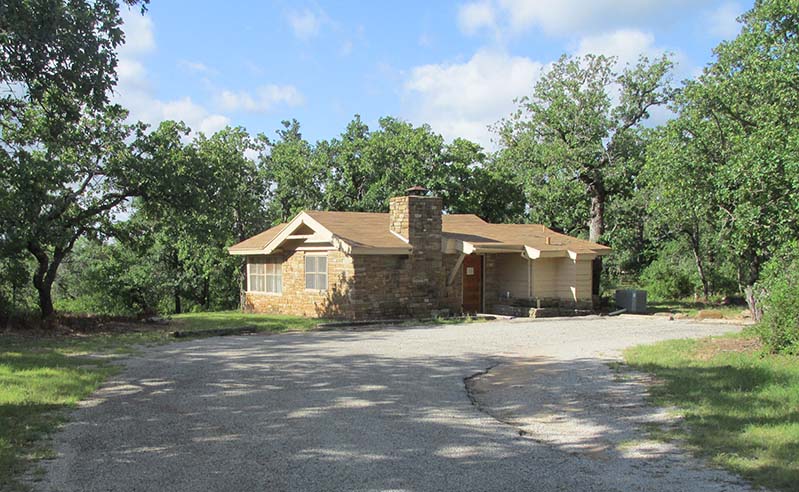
634	301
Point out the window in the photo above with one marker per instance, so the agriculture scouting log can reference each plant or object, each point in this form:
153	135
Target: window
316	272
265	277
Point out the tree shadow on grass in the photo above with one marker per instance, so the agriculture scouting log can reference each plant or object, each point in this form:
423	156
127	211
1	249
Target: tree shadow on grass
741	414
35	387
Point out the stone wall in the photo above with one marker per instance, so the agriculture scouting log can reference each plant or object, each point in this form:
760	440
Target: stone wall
295	298
359	287
491	283
452	294
418	220
375	286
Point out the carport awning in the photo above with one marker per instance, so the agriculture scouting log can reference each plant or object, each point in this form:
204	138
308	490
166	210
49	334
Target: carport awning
456	245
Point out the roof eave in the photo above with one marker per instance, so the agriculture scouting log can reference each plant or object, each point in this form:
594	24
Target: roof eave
245	252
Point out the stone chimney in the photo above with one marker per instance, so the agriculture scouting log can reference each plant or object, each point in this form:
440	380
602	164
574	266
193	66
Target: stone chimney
416	217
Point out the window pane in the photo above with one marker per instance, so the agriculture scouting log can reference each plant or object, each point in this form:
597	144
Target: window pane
270	283
279	284
321	264
309	281
310	264
321	281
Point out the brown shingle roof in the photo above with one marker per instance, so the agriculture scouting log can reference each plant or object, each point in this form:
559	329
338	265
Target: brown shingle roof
259	241
361	229
479	232
371	230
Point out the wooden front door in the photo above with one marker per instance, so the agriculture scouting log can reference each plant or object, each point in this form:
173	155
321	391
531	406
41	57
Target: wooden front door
473	283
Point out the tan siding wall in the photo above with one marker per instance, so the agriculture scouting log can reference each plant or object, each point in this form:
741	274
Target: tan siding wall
565	278
513	275
582	281
545	278
562	278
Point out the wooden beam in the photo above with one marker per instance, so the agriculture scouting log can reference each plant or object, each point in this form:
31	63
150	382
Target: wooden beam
456	269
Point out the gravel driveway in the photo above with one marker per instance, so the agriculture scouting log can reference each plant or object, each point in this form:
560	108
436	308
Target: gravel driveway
383	410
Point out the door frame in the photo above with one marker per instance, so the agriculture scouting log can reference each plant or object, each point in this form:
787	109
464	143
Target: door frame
482	282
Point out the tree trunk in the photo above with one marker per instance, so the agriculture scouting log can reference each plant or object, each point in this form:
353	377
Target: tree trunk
45	299
42	281
47	269
750	277
206	293
177	270
596	227
243	285
700	264
751	302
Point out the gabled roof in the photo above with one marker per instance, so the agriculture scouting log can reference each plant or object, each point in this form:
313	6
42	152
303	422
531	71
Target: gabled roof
369	233
360	229
351	232
259	241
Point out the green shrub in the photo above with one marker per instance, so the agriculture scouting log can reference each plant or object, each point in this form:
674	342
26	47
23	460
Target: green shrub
665	281
779	296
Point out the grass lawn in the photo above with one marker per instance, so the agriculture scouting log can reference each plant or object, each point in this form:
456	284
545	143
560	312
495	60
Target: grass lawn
741	406
40	377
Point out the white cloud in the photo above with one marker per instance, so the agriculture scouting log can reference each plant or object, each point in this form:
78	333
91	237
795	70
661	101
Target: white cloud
628	45
569	16
305	24
139	37
134	90
625	44
463	99
265	98
346	48
194	66
475	16
424	40
194	115
723	20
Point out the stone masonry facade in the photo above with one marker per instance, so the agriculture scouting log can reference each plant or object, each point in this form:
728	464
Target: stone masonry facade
374	286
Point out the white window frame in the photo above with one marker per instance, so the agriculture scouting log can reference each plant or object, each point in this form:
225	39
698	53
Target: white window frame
270	277
316	273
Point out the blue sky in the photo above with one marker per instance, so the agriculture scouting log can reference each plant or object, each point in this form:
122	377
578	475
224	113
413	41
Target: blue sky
454	65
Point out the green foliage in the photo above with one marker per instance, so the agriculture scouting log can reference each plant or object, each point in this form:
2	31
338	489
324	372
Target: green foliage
293	173
779	297
112	279
60	51
665	278
573	146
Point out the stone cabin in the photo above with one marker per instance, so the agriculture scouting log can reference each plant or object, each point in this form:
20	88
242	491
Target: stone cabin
414	262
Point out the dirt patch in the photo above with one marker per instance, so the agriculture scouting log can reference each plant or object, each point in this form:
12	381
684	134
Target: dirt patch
76	325
709	349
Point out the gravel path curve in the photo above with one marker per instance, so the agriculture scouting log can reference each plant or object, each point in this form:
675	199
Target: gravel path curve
383	410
